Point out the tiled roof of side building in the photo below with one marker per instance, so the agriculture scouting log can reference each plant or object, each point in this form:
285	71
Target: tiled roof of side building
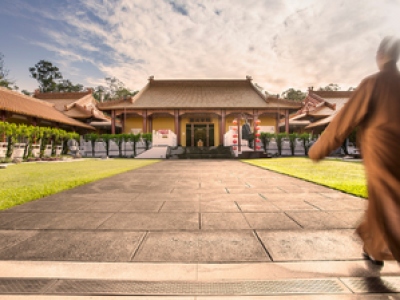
82	107
20	104
199	94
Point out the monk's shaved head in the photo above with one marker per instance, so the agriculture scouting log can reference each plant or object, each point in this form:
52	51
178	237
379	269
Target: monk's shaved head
389	48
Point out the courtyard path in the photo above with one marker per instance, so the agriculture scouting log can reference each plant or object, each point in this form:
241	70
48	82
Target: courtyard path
215	219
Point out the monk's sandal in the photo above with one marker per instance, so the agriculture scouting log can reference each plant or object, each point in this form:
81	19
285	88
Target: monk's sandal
372	260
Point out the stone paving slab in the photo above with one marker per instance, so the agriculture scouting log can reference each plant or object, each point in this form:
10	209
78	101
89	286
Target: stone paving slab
270	221
218	221
181	206
152	221
256	206
75	246
311	245
58	221
201	246
317	220
219	206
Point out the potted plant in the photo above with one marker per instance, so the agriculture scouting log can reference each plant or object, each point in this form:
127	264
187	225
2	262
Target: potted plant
5	133
266	138
147	138
305	139
279	139
292	142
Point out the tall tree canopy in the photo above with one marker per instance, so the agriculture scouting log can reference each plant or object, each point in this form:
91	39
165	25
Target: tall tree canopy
46	74
293	94
51	80
5	81
115	89
330	87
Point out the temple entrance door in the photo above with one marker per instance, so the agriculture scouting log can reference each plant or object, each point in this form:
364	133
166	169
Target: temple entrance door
197	132
200	135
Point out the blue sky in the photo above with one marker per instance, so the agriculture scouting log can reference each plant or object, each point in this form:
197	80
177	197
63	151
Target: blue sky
280	43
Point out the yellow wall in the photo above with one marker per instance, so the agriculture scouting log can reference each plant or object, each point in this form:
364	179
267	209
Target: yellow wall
164	123
133	123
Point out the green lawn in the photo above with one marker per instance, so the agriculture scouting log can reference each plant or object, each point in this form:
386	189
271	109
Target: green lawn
344	176
25	182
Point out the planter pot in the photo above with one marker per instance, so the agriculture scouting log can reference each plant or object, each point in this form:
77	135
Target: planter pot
3	149
58	150
18	150
47	150
36	150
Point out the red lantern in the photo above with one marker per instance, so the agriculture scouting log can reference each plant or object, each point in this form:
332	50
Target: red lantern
258	135
235	136
234	128
258	147
257	141
234	148
235	141
258	121
234	122
257	128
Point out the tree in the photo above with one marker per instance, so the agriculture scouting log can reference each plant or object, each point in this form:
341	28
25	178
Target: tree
115	89
352	88
25	92
293	94
65	85
330	87
46	74
5	81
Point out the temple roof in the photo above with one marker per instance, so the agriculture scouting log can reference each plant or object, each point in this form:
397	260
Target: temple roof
175	94
21	104
77	105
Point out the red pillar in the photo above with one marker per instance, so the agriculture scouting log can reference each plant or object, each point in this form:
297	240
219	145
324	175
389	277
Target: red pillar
145	121
151	124
3	115
3	119
239	119
277	122
222	128
287	121
255	117
113	122
176	125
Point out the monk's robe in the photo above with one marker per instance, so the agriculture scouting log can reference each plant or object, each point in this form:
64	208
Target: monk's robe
375	109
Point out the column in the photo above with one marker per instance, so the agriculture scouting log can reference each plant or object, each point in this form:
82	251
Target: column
222	127
255	117
239	134
3	115
113	122
277	122
287	121
144	121
151	124
176	127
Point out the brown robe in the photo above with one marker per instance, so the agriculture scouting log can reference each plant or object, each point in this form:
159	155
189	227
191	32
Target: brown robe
375	108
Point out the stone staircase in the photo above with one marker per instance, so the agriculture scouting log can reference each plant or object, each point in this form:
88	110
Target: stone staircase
219	152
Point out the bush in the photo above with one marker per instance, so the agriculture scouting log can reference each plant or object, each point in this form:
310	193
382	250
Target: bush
279	139
292	142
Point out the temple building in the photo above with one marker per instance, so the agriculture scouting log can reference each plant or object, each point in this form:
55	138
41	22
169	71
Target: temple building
21	109
318	110
80	106
198	109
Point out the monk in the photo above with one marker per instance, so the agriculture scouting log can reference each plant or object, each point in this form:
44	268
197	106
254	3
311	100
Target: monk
375	108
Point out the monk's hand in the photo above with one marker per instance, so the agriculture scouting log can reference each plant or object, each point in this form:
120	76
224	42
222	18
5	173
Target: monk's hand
312	155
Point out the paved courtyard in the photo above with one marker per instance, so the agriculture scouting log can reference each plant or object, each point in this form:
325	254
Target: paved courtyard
187	211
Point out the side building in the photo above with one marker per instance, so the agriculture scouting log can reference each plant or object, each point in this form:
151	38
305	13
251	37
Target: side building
21	109
197	109
80	106
318	110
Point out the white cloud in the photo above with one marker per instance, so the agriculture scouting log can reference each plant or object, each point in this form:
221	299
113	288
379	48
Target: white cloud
281	44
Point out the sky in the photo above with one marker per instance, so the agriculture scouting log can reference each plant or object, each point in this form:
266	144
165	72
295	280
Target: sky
280	43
